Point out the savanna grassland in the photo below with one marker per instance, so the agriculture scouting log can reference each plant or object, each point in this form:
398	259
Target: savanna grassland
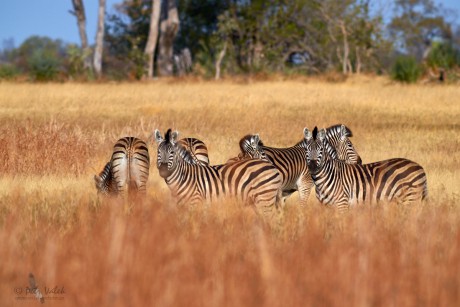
55	137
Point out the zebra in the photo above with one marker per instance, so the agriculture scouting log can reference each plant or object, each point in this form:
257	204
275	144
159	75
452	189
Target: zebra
292	163
253	181
345	185
197	149
105	184
128	168
250	148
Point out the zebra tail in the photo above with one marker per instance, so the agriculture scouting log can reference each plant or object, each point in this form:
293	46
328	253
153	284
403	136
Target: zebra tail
425	191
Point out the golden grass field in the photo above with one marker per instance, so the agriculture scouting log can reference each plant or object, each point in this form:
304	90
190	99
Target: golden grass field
55	137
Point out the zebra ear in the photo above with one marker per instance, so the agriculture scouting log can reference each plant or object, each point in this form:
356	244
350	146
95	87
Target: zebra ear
255	140
321	135
307	134
97	180
158	137
174	137
343	132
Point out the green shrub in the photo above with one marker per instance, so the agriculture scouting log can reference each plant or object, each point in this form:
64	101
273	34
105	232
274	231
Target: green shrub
8	71
442	55
75	63
406	69
43	66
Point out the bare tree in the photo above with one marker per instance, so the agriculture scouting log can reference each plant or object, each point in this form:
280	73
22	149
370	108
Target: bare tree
153	36
79	13
219	60
169	27
99	39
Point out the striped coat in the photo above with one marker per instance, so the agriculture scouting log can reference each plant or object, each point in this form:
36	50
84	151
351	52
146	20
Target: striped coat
251	181
344	185
128	169
292	163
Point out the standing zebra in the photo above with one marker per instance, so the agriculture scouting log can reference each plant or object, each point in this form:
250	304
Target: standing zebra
292	163
344	185
127	170
252	181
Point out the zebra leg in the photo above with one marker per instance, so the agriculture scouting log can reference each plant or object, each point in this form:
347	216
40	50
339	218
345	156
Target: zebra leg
304	186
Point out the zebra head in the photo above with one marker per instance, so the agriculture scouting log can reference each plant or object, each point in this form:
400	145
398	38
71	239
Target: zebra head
250	145
167	152
103	181
315	147
337	136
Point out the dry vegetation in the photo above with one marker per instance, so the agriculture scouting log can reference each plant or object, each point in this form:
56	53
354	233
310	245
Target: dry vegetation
54	137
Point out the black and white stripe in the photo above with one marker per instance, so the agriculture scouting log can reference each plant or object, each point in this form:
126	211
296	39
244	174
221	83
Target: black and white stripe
197	149
128	169
291	161
251	181
343	185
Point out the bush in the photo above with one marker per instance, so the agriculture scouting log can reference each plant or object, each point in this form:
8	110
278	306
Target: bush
8	71
443	55
75	63
406	69
43	66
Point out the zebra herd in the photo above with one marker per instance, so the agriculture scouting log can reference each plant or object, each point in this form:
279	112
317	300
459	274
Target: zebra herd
264	176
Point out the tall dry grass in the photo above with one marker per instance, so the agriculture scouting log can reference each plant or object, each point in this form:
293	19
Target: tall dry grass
54	137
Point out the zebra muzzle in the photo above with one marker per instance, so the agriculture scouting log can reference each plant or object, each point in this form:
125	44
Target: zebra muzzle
163	169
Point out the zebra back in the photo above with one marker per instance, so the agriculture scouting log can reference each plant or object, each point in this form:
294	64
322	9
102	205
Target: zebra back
130	165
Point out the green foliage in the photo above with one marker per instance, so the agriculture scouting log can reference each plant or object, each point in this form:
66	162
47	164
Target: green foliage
43	66
406	69
443	55
417	23
76	62
8	72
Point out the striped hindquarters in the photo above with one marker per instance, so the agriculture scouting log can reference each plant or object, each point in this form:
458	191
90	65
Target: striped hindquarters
253	181
130	164
197	149
398	180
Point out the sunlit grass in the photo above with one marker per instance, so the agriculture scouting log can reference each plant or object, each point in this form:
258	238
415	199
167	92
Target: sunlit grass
55	137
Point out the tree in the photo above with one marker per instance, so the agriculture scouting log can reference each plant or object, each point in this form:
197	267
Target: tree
416	24
79	13
99	39
153	36
168	30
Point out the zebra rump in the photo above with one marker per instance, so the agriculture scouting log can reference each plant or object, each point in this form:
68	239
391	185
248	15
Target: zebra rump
128	169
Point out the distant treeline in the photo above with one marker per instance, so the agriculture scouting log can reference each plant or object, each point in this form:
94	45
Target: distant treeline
218	38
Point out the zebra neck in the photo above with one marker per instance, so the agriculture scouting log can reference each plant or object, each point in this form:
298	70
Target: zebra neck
179	174
326	170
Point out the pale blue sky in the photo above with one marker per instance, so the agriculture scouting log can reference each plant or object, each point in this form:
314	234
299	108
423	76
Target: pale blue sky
20	19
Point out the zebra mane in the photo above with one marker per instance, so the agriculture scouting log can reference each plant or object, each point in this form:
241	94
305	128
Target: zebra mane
335	129
315	133
168	135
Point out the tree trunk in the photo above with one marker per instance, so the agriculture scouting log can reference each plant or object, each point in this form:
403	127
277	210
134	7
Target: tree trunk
168	30
219	60
79	13
153	37
346	49
358	60
99	39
